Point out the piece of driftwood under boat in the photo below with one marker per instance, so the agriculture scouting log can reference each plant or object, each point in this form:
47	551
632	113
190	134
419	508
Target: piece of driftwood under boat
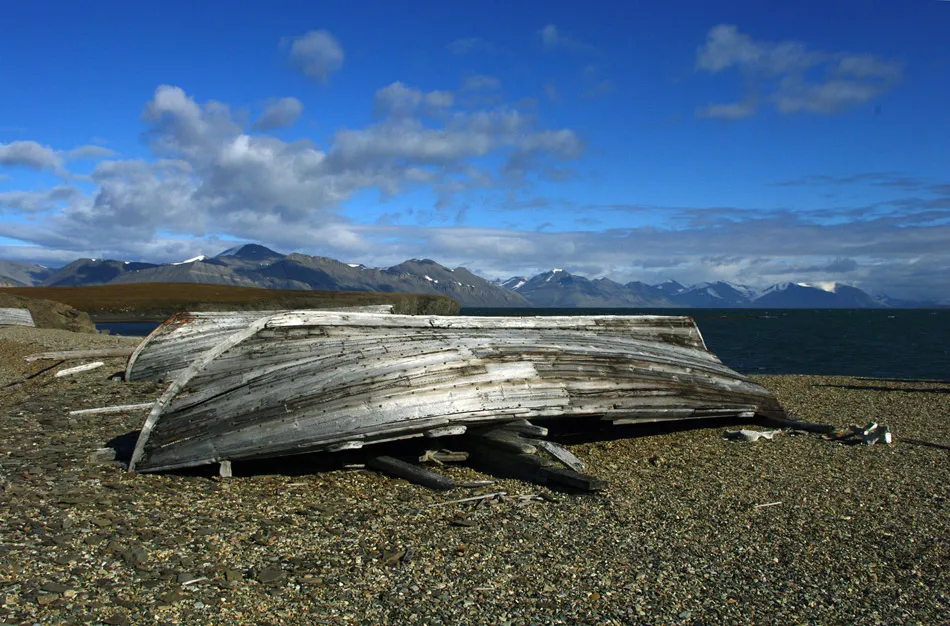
308	381
183	337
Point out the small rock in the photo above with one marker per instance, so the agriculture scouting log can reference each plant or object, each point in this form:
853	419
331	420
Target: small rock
170	597
271	576
117	619
233	575
52	587
46	598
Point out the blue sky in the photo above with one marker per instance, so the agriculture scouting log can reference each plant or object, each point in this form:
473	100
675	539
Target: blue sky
745	141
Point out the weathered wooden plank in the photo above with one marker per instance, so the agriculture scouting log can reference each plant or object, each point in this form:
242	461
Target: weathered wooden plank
180	339
85	367
16	317
119	408
307	381
562	454
78	354
525	428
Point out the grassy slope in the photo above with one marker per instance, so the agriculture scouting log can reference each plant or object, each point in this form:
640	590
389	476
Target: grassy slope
156	301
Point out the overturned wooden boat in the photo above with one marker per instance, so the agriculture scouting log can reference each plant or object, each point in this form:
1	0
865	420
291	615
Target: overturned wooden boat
299	382
16	317
183	337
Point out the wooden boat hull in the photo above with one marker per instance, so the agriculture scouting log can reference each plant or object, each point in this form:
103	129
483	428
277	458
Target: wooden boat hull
182	338
16	317
323	381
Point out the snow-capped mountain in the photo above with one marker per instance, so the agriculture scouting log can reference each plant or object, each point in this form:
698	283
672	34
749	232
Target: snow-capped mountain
713	295
254	265
558	288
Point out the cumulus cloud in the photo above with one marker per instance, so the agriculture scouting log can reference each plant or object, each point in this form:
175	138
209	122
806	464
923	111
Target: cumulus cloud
209	177
316	54
791	76
35	156
279	113
208	180
399	100
37	201
29	154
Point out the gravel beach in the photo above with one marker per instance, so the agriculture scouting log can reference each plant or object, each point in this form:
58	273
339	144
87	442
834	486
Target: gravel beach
692	529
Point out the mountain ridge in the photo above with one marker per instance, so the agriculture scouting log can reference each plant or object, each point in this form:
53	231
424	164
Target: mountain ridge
254	265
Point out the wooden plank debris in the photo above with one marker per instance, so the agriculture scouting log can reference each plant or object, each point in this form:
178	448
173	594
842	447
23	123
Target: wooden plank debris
441	457
530	467
16	317
86	367
67	355
412	473
120	408
562	454
505	440
484	496
524	427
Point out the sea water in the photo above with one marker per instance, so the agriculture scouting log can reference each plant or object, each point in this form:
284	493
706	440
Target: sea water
878	343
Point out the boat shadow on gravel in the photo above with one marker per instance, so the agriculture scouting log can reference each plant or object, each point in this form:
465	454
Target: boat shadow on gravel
565	431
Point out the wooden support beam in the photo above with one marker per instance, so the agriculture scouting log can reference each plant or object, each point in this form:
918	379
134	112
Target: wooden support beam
440	457
505	440
412	473
562	454
525	427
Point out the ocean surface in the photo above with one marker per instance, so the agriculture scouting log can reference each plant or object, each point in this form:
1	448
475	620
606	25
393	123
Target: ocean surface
876	343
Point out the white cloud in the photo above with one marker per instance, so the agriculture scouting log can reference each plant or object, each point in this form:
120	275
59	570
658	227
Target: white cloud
29	154
279	114
399	101
316	54
790	75
210	177
37	201
32	155
90	152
